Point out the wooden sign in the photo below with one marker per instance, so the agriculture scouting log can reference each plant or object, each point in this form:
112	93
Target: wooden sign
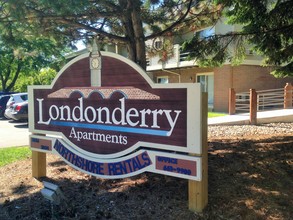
104	116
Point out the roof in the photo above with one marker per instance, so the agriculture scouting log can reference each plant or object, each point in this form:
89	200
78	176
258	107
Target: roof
105	92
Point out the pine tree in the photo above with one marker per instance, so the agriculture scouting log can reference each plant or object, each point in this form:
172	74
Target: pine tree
128	22
267	26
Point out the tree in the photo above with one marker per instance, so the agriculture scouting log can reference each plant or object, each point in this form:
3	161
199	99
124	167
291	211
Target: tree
23	57
267	27
129	22
44	76
21	52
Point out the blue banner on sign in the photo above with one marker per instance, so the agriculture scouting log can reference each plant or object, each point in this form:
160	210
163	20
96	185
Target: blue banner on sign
119	168
112	128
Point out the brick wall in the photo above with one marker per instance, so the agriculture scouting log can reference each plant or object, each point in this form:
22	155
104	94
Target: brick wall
256	77
241	78
223	78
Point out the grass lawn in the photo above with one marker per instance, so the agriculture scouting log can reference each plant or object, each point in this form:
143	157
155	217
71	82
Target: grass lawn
9	155
215	114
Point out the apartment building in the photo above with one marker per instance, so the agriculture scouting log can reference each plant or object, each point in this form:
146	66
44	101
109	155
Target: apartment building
216	81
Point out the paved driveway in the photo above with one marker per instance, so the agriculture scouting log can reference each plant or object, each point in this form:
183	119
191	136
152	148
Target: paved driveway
13	133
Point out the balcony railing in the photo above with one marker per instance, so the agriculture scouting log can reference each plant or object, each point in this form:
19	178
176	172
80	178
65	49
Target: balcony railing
177	60
183	56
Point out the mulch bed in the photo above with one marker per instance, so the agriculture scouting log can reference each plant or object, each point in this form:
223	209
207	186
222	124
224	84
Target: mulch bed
248	179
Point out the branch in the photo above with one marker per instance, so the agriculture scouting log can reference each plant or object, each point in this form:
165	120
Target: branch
95	30
8	72
173	25
235	34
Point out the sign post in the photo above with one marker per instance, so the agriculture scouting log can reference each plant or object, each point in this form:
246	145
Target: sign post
105	117
38	164
198	190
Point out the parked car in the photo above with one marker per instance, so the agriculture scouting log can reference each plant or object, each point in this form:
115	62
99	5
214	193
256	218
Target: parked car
19	111
6	93
3	101
14	99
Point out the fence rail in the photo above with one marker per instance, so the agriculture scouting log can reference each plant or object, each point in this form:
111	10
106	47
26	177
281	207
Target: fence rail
270	99
264	100
242	102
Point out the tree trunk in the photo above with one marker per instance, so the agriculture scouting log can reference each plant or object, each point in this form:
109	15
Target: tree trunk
134	32
2	83
15	77
139	36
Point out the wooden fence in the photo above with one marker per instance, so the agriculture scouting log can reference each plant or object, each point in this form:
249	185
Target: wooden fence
254	101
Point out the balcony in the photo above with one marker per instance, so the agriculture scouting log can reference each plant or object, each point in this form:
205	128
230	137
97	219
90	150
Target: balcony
178	60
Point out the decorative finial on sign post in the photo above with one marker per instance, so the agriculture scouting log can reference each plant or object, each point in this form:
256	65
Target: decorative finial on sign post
95	48
95	64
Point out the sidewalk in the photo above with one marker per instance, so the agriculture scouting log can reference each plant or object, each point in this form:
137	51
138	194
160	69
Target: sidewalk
13	134
16	134
283	115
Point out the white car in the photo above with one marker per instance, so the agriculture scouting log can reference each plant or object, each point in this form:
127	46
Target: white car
14	99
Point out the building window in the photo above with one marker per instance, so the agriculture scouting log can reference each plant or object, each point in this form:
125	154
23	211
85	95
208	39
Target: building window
207	85
203	80
158	45
207	32
162	79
